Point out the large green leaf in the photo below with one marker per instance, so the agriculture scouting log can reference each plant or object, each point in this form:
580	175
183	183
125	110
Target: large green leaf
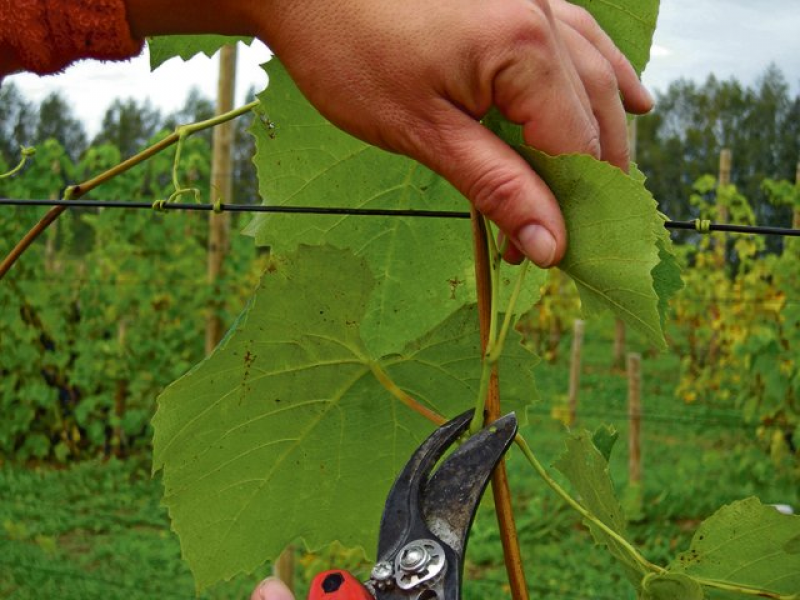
586	468
163	48
746	544
630	23
422	267
285	431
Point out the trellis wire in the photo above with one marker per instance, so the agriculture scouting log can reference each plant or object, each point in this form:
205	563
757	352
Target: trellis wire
695	225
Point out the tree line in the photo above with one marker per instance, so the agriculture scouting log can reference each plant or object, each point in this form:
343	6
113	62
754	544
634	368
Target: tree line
128	125
681	140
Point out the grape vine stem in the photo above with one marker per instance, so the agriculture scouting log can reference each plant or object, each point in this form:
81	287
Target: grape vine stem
76	191
486	259
26	154
586	514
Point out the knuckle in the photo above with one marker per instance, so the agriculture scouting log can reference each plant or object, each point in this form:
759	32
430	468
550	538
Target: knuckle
603	78
593	145
621	157
520	25
494	193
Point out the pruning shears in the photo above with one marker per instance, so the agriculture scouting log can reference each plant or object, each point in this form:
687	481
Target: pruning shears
427	518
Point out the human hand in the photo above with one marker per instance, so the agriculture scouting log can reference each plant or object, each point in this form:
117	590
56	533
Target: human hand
415	77
271	589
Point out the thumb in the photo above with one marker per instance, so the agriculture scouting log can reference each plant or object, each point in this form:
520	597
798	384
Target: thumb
499	184
272	589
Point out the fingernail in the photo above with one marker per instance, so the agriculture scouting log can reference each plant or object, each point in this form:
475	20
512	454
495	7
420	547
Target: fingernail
272	589
538	244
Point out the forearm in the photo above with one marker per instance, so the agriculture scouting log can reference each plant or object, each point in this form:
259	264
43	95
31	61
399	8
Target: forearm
44	36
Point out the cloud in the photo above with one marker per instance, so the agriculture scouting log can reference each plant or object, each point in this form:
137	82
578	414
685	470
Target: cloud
90	86
658	51
727	38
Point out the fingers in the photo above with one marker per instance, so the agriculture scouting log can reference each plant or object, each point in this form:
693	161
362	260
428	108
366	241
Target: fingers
271	589
498	182
539	88
600	82
572	103
637	99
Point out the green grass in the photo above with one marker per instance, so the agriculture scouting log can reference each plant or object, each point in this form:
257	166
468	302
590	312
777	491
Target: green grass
92	531
96	530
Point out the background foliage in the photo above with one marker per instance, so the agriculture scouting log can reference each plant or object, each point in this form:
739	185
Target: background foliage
105	312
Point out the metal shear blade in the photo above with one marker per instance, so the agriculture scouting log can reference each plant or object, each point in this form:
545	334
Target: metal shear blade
426	521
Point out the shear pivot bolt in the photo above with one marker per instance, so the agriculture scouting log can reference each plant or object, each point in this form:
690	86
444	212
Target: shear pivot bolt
418	564
414	559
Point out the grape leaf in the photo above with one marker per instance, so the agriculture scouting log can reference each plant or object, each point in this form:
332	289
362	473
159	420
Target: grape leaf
671	586
604	439
285	432
423	267
619	252
746	544
630	23
615	244
667	279
586	468
163	48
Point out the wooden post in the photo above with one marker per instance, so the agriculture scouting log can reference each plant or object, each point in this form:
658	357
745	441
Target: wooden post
575	369
724	180
725	161
796	218
634	419
555	283
221	185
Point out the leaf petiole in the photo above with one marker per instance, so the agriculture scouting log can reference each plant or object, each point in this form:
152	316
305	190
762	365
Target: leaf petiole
744	590
586	514
388	383
509	316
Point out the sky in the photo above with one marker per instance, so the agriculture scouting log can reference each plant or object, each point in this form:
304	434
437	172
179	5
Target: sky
694	38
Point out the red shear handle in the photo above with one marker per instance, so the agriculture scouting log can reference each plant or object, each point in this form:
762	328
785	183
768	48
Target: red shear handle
337	585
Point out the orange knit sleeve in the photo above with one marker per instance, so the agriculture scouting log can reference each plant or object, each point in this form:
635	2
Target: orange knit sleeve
44	36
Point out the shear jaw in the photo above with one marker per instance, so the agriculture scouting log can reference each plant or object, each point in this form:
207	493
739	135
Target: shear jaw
426	521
